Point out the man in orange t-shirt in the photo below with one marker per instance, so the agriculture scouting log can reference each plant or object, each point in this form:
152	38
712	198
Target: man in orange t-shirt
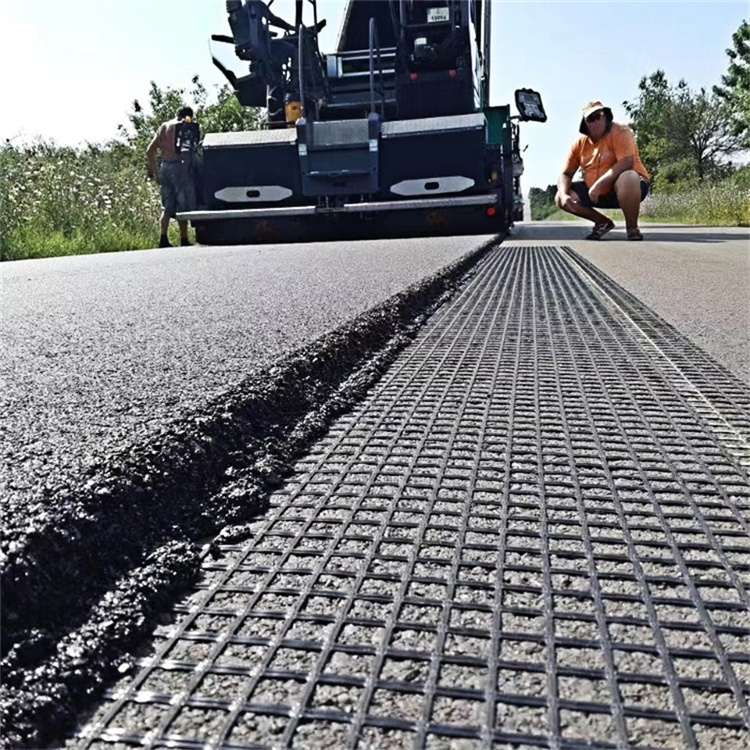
613	174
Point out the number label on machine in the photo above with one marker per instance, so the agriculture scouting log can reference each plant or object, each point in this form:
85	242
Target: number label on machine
437	15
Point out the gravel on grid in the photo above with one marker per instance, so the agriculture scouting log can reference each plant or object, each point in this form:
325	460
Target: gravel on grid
91	557
526	534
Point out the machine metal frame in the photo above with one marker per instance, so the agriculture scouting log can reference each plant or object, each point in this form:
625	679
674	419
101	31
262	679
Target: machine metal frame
390	135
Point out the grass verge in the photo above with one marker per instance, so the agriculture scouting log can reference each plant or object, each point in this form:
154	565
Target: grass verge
725	204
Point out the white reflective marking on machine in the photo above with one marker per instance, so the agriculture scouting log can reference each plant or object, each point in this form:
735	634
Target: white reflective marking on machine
302	149
373	144
433	185
253	194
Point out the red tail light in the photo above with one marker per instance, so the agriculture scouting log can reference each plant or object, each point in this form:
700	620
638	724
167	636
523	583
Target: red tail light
491	211
413	76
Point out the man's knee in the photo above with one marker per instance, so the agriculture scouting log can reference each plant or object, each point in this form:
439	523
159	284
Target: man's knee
627	181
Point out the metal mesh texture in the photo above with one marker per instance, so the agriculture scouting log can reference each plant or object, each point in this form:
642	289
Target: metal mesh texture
426	125
341	133
244	138
532	533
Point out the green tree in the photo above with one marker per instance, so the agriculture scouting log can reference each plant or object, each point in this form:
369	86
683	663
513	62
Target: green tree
699	129
735	91
647	117
222	115
542	202
682	135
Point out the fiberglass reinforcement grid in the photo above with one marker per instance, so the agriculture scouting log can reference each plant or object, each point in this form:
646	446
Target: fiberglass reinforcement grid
525	536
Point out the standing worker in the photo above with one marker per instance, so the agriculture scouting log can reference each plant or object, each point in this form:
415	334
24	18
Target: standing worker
613	175
177	141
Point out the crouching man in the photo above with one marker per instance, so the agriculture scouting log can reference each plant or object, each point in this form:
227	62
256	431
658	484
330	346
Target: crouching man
613	175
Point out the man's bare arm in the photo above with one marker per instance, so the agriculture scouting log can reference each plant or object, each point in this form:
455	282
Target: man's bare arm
605	181
153	147
565	198
564	182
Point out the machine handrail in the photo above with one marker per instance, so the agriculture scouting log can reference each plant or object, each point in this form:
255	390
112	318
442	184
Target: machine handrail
314	4
302	32
375	42
301	65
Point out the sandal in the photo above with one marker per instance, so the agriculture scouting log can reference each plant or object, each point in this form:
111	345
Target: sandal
635	234
600	230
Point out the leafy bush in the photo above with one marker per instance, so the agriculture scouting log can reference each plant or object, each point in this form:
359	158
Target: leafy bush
741	179
677	177
542	202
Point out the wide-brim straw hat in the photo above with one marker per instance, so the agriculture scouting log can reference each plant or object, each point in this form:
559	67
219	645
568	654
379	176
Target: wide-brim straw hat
589	109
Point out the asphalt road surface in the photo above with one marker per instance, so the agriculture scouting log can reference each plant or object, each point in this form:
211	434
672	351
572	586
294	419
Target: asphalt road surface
100	351
696	278
533	529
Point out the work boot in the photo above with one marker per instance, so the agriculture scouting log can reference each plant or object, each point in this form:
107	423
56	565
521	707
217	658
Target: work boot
164	241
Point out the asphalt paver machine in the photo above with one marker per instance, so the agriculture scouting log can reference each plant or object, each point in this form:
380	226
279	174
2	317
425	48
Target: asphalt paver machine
391	135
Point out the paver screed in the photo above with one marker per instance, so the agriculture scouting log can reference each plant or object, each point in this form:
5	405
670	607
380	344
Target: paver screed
533	532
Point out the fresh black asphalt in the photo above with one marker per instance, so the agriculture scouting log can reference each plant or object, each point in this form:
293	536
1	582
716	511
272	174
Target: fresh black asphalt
101	351
154	399
104	355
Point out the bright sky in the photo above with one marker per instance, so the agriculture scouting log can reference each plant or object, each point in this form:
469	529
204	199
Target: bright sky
70	69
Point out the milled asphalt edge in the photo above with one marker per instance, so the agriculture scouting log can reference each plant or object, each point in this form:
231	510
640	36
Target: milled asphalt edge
130	531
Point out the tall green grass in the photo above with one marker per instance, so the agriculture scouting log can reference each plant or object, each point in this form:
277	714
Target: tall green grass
722	204
62	201
726	204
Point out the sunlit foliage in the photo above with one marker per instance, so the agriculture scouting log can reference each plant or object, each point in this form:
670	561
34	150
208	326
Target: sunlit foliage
66	201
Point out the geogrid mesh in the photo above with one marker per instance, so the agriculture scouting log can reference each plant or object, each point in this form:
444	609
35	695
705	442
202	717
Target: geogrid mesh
532	533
